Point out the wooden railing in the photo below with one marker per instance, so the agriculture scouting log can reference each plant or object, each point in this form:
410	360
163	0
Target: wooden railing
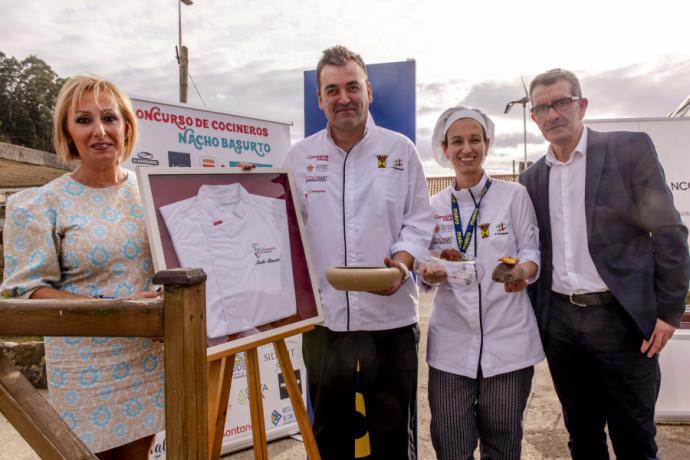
178	318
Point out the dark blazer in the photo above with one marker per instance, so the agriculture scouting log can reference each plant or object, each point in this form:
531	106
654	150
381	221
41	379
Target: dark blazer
634	232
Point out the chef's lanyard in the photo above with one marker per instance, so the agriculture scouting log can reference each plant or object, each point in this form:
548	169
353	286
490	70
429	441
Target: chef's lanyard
465	238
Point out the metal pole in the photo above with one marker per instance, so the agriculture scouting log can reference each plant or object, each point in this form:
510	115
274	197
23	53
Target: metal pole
524	129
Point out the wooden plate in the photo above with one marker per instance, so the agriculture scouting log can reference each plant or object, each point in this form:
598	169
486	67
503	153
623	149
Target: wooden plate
362	278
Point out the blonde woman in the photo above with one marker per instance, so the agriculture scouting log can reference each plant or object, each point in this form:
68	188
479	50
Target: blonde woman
82	236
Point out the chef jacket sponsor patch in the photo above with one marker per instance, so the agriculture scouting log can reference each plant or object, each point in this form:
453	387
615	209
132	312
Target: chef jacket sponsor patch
484	228
315	178
382	161
438	240
444	217
314	191
398	164
501	229
265	254
318	157
319	168
447	228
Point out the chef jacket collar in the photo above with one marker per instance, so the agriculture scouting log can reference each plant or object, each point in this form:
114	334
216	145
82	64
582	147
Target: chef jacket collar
224	201
463	195
370	124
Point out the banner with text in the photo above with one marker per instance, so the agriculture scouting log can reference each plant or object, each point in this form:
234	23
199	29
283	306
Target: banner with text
179	135
279	415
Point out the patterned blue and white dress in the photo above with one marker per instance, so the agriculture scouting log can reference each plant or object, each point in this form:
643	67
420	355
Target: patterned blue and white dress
91	242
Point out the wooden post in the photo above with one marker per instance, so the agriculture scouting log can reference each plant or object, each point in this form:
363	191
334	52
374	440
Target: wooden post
24	407
184	319
34	419
296	400
196	406
220	375
256	405
219	380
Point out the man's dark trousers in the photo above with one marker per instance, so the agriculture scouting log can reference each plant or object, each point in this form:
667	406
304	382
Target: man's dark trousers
602	378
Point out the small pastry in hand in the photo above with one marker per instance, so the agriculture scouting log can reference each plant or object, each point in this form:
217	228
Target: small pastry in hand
451	255
508	260
432	273
508	270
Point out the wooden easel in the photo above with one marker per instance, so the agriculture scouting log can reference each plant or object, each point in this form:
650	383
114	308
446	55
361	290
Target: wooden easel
220	366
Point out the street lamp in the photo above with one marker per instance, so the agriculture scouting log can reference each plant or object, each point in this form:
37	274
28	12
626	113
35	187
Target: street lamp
524	102
182	57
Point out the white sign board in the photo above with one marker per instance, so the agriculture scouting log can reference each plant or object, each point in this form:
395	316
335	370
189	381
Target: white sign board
671	137
180	135
673	403
278	413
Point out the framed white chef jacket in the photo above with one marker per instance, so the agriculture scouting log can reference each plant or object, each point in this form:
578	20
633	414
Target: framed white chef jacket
245	231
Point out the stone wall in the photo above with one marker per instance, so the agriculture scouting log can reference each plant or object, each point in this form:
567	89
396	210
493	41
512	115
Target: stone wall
29	357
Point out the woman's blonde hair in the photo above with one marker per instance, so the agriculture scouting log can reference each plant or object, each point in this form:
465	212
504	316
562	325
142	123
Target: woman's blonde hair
68	98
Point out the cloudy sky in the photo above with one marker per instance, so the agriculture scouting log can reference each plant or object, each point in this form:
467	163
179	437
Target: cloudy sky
248	57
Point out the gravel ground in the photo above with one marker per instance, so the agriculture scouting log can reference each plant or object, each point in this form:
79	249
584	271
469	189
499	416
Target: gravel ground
545	436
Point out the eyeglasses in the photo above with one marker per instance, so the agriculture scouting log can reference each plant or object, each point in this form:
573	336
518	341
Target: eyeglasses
558	105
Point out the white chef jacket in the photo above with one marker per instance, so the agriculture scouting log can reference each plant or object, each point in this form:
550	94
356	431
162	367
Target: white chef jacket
358	208
484	324
242	243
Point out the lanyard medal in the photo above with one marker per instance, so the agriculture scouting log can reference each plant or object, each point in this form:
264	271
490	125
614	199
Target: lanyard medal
465	238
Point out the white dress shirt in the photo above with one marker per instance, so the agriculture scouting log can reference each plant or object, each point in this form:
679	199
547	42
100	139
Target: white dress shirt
573	268
358	208
242	243
484	324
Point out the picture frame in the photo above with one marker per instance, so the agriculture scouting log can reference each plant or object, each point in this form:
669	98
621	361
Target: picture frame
161	187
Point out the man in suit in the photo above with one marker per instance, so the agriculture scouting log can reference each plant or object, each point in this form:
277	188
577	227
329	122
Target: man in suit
614	271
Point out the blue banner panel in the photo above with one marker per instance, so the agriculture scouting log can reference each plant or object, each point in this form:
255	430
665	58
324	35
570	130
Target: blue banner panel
394	106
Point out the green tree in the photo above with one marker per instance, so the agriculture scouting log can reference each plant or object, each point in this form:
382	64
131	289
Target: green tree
28	90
